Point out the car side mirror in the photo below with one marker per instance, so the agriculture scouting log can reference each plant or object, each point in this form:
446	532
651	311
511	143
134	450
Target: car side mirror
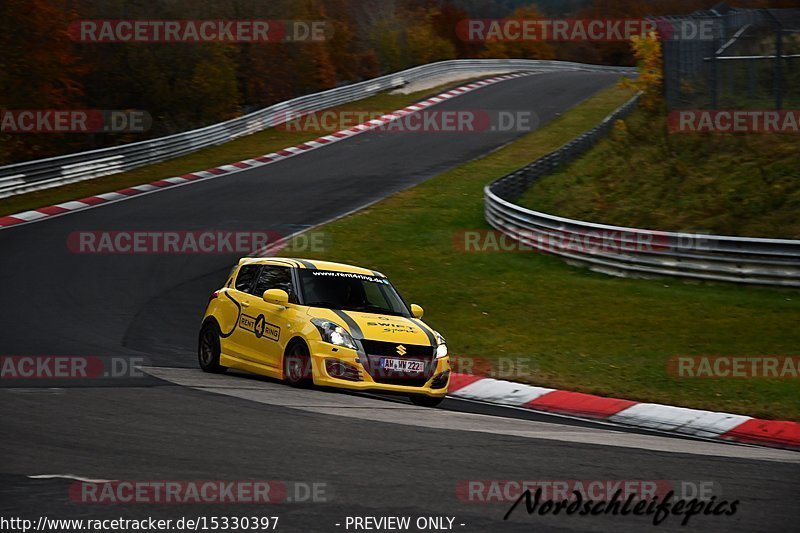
417	311
276	297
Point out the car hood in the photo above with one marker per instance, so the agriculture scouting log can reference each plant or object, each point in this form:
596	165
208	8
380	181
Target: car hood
387	328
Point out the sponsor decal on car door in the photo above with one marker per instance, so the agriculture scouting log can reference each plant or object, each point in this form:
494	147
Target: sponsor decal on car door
263	323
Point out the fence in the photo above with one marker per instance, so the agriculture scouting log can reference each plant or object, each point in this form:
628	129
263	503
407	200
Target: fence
52	172
697	256
750	61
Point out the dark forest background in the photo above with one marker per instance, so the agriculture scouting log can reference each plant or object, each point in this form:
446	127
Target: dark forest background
184	86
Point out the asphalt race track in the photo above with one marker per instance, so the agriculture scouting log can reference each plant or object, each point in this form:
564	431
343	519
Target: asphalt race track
375	456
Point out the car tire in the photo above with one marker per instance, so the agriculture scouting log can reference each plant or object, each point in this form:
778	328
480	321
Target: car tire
297	366
425	401
208	349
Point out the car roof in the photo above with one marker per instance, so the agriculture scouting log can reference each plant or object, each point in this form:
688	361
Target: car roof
312	264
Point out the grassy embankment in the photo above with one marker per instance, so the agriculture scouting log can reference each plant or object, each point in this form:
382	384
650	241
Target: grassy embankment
584	331
641	176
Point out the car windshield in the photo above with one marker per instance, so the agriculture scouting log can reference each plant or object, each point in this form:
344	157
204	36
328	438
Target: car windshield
350	292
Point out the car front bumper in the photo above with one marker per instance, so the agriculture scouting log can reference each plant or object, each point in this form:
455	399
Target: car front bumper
323	354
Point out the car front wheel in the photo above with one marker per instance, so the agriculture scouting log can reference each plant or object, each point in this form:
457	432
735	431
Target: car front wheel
297	366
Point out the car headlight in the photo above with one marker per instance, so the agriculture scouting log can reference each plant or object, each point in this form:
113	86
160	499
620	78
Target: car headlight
334	333
441	346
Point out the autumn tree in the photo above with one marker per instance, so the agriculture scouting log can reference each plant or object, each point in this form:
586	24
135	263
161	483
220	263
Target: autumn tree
445	21
214	93
268	74
520	49
647	50
385	40
39	69
312	63
423	44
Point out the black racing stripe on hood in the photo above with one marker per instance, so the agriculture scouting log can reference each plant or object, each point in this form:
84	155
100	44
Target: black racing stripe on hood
357	335
426	330
355	330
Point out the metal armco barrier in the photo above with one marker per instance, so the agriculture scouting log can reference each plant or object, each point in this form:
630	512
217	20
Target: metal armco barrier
52	172
633	252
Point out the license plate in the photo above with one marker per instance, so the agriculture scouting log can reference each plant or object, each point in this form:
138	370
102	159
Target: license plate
402	365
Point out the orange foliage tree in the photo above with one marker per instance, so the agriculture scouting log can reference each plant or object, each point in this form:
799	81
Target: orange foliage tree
38	69
520	49
647	50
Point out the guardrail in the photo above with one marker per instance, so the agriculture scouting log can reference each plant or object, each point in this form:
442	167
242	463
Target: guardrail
40	174
633	252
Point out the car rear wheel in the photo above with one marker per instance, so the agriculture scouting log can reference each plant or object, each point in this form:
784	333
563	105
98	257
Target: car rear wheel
297	365
208	349
425	401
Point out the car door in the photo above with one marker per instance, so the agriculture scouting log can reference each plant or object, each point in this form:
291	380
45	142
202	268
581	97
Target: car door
236	343
268	324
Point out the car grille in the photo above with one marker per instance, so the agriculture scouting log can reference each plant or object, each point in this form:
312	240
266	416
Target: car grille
389	349
377	349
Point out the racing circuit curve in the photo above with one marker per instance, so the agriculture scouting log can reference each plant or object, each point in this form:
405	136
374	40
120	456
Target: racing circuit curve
383	457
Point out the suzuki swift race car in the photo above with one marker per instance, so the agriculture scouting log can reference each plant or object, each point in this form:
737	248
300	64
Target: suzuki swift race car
324	323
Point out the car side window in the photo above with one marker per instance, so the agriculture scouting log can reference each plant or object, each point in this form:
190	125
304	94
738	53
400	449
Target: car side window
244	280
274	277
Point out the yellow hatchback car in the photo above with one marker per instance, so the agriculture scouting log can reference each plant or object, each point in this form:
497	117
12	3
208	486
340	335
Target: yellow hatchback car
324	323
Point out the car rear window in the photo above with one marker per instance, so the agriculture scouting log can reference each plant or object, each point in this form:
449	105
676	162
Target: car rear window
244	280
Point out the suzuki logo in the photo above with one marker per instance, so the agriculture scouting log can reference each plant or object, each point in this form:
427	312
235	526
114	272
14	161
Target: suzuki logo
401	349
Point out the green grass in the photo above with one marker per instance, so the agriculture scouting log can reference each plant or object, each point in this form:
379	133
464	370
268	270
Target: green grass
243	148
584	331
746	185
